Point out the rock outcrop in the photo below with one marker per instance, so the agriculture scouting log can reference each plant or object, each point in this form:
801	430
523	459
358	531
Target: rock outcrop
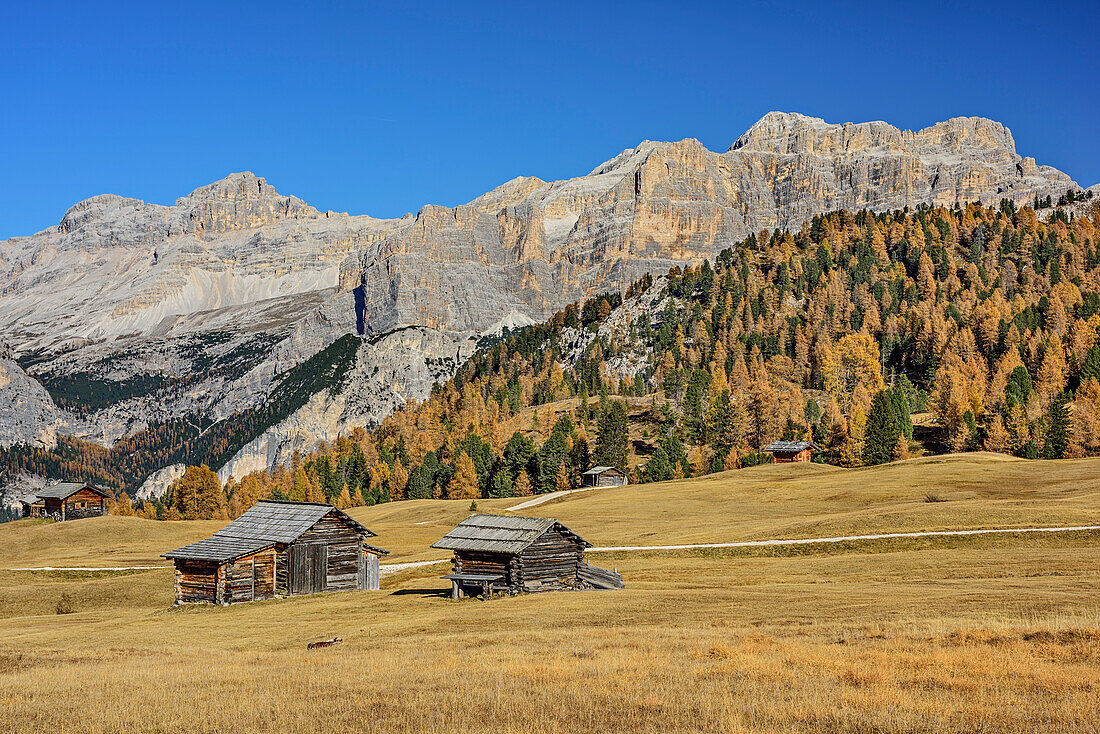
532	246
27	414
389	371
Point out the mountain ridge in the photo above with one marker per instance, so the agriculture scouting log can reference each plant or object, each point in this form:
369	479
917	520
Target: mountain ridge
121	289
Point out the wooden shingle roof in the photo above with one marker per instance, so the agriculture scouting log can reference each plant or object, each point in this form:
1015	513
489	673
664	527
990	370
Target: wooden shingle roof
601	470
791	446
264	524
219	548
500	533
64	490
282	522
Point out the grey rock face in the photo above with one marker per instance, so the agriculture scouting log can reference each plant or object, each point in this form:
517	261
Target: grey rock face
389	371
27	414
534	246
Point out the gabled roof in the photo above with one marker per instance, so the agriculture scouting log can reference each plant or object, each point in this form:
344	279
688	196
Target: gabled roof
500	533
283	522
601	470
264	524
217	548
791	446
64	490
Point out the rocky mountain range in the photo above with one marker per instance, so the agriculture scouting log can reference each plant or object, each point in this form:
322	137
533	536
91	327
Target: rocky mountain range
127	315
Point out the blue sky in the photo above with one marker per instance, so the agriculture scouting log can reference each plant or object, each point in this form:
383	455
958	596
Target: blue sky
378	110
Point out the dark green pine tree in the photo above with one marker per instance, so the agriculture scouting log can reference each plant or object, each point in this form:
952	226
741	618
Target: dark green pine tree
882	430
1058	428
902	412
1090	366
611	437
658	468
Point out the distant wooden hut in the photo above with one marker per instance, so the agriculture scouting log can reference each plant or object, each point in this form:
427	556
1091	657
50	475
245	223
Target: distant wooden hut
67	501
785	452
278	549
604	476
520	554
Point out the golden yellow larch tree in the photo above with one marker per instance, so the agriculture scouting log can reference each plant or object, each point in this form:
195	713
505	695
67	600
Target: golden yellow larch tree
851	453
523	484
853	362
1086	417
343	500
996	437
399	480
463	485
120	505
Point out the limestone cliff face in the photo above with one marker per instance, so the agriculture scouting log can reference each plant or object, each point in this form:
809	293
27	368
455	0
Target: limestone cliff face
388	372
534	246
116	268
27	415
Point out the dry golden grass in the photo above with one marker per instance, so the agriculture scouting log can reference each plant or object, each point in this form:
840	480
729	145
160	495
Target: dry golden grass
991	633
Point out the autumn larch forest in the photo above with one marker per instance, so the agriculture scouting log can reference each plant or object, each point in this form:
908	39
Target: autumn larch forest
978	324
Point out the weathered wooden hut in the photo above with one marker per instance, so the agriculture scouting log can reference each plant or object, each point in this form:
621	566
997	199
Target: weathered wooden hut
604	476
785	452
67	501
520	554
278	549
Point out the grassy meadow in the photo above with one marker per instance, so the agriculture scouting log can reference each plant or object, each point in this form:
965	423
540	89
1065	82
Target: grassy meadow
956	634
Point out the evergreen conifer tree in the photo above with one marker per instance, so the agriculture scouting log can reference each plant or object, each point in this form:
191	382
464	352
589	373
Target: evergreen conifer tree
882	430
612	438
1059	428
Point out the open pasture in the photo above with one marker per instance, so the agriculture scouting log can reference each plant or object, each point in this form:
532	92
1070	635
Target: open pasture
991	633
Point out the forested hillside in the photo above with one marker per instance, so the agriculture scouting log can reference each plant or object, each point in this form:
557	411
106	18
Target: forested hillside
986	317
193	440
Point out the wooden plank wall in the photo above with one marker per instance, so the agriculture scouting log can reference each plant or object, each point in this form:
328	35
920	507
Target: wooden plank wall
250	578
196	581
94	505
343	551
373	572
282	570
551	562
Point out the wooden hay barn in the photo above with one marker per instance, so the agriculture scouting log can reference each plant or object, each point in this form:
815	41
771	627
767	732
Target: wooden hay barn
278	549
520	554
785	452
604	476
67	501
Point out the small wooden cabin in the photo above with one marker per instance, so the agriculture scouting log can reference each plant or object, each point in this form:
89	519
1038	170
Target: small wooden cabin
520	554
785	452
278	549
67	501
604	476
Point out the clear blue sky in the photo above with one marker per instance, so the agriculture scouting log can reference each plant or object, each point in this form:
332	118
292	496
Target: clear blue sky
377	111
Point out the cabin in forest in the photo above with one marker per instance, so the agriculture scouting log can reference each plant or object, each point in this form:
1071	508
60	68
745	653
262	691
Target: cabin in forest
520	554
604	476
785	452
67	501
274	549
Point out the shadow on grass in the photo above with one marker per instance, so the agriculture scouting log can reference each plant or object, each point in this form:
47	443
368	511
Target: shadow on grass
444	593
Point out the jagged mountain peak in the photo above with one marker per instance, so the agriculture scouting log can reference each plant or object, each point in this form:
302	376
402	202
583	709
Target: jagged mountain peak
795	133
242	185
102	206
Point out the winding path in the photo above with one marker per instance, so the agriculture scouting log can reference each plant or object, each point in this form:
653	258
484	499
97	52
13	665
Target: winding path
843	538
547	497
